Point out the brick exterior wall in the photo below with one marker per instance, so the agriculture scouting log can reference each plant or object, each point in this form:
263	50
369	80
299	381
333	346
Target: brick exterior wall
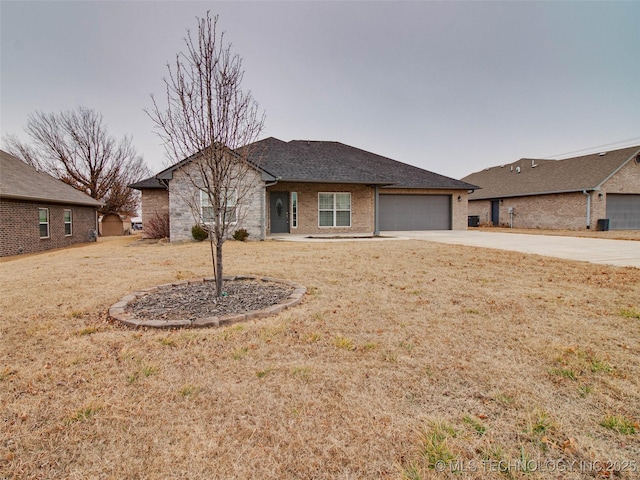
154	201
458	208
561	211
20	228
183	195
362	205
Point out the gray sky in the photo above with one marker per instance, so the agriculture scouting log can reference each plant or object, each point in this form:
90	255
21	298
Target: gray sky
452	87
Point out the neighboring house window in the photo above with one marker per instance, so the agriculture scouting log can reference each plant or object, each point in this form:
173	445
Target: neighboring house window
43	216
206	209
334	209
68	223
294	209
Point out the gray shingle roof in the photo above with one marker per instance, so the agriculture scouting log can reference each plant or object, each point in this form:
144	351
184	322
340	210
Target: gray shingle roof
537	177
334	162
327	162
23	182
153	183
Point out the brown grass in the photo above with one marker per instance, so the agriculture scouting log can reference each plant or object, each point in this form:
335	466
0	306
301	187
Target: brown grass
403	354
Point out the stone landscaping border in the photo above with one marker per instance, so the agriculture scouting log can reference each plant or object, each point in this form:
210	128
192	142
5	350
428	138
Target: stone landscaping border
117	310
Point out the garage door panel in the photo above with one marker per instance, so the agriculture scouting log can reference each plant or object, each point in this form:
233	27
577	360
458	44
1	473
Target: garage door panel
623	211
415	212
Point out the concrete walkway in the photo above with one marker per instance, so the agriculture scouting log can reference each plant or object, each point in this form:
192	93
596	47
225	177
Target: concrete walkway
624	253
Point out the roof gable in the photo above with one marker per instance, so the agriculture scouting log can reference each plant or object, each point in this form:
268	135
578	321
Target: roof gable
21	181
536	177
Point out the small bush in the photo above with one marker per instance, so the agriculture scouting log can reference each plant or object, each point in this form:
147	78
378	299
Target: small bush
198	233
157	227
241	234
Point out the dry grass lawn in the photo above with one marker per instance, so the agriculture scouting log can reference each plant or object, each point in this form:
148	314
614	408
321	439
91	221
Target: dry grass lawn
405	358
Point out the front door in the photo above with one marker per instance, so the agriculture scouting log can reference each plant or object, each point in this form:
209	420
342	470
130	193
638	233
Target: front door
279	212
495	212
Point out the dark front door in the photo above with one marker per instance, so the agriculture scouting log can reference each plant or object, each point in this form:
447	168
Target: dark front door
279	212
495	212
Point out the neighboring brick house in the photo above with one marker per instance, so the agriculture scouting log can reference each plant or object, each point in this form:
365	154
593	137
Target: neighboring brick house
39	212
314	187
600	190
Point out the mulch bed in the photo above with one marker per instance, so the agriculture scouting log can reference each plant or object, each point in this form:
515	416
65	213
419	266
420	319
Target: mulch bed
194	301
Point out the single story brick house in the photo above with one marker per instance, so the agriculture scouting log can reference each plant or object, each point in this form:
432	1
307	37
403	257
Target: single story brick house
600	190
39	212
317	187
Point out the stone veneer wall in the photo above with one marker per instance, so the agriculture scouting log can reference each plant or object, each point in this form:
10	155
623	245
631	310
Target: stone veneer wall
20	227
182	193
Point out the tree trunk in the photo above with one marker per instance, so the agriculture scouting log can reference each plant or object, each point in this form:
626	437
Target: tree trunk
219	284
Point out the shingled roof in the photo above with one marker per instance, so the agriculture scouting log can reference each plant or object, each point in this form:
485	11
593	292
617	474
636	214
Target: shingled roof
333	162
539	177
20	181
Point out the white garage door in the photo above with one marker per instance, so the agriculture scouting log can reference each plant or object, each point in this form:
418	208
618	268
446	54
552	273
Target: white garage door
623	212
415	212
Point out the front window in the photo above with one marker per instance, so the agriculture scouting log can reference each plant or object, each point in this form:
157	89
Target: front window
207	213
68	223
43	216
294	210
334	209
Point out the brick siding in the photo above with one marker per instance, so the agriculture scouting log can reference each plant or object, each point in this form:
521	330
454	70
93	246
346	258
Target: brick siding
20	227
560	211
154	201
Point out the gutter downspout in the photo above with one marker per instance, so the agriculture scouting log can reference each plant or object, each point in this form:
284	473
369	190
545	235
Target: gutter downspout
588	208
376	211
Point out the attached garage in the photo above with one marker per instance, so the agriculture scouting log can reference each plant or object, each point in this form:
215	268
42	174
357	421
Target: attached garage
623	211
414	212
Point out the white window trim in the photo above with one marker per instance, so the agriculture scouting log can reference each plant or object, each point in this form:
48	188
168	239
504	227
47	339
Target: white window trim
335	210
70	222
204	197
47	223
295	207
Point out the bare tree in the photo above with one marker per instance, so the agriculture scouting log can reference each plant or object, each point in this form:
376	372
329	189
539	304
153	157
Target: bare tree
206	120
75	147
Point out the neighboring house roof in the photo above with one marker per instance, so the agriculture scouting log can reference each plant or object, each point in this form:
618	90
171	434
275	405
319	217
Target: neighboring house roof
539	177
332	162
20	181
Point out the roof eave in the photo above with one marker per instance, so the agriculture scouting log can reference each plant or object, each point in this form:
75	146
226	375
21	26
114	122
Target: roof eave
28	198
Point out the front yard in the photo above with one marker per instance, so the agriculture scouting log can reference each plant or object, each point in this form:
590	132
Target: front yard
406	359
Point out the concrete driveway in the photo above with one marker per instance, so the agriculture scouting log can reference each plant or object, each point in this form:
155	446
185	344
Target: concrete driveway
625	253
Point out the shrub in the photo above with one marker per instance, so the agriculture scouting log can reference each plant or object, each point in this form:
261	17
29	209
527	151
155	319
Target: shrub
241	234
198	233
157	227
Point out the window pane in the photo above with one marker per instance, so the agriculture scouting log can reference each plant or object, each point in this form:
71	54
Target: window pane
294	209
44	230
230	215
207	214
67	216
204	199
343	219
326	201
326	219
43	214
343	201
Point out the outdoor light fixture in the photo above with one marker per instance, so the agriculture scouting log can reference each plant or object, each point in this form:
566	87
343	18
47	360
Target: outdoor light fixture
600	196
459	198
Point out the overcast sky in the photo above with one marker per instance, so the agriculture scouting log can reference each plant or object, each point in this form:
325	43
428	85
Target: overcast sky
452	87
